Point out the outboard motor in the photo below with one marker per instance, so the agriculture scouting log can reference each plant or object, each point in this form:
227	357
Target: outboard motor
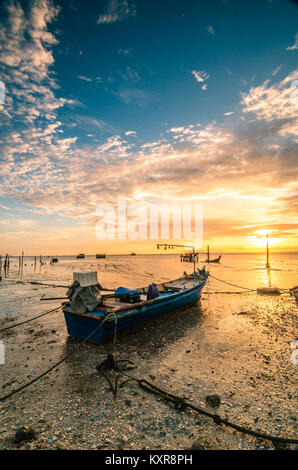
84	293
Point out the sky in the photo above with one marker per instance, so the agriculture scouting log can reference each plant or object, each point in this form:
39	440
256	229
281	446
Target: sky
159	103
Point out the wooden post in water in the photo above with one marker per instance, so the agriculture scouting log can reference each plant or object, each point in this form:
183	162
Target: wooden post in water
5	265
34	263
267	254
22	262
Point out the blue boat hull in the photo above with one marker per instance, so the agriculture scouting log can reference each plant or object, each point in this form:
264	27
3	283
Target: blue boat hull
82	325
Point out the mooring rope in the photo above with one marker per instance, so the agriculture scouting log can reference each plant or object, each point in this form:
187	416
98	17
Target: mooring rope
30	319
181	404
234	285
65	357
23	281
13	392
247	289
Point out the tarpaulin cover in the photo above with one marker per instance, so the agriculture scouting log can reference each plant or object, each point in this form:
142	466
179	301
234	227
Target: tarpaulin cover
83	299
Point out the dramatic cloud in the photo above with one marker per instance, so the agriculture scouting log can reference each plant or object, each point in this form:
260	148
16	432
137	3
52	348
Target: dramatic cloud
244	171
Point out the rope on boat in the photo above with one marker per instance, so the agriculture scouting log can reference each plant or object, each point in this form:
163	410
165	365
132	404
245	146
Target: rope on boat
30	319
180	403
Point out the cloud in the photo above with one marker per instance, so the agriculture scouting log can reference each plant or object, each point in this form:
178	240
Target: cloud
295	45
242	170
135	96
200	75
126	51
88	79
271	102
275	72
210	30
130	74
117	10
204	87
229	113
26	61
72	103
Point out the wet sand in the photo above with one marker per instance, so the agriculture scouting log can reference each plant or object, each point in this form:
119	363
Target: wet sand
236	346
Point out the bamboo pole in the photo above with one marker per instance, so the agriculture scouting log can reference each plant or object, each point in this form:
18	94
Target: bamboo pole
267	254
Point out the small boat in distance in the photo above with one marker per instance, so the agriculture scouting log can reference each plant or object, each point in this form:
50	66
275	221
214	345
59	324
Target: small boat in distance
132	254
100	256
190	257
214	260
126	307
54	260
81	255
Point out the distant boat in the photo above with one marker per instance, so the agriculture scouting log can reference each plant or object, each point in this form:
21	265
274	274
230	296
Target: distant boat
100	256
127	307
81	255
54	260
214	260
190	257
132	254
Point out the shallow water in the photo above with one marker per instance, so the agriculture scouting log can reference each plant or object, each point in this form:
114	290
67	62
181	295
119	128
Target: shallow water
247	270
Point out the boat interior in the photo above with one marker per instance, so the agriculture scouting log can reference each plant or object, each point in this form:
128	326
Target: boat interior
140	294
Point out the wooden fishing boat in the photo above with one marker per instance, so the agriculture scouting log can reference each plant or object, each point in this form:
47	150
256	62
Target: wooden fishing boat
214	260
126	307
189	257
80	256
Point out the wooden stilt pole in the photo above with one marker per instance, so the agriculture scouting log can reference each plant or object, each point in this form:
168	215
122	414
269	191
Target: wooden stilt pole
267	254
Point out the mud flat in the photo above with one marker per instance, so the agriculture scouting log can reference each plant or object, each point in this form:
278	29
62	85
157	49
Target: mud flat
235	346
